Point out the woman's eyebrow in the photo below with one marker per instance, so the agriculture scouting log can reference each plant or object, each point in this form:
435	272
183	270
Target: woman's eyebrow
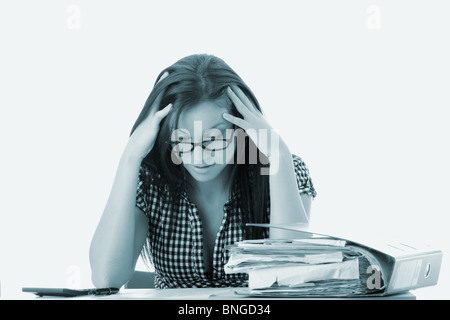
182	131
218	125
213	130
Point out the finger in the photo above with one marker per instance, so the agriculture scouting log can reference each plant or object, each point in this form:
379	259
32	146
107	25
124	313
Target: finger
240	106
238	91
235	120
161	114
165	74
155	105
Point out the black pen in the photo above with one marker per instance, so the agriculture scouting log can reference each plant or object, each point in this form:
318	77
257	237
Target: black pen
103	291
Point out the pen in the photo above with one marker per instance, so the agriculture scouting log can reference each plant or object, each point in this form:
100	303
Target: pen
104	291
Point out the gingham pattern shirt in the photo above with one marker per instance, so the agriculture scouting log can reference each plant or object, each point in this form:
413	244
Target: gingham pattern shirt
178	260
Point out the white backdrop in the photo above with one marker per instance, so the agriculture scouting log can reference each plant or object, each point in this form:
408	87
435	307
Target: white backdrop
359	89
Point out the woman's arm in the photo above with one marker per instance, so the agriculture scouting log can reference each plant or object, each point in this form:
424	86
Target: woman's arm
121	232
287	206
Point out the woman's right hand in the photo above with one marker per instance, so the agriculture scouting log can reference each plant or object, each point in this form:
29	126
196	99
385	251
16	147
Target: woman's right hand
143	139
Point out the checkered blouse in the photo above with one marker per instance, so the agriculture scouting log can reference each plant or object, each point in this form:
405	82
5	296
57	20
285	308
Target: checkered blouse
178	256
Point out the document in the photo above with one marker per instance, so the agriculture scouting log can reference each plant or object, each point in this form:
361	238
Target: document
314	266
319	265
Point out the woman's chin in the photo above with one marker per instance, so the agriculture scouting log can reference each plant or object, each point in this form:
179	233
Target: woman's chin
204	173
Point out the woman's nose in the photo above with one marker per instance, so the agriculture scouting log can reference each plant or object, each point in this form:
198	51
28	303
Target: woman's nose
198	154
211	157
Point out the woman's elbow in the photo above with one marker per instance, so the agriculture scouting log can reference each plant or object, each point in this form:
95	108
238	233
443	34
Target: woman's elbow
105	274
104	279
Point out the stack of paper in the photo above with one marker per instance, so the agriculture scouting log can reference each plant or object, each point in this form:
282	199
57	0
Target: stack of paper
320	266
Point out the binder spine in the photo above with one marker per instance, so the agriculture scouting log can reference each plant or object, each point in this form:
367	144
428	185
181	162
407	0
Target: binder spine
415	272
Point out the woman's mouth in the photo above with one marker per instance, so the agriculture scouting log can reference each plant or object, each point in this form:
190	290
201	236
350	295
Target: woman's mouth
202	169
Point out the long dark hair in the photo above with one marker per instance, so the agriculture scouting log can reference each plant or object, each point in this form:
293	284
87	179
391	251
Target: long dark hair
191	80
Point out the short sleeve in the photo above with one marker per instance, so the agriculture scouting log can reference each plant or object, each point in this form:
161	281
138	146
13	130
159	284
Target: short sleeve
147	193
304	181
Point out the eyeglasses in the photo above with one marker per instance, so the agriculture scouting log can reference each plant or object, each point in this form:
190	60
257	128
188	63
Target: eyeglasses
210	145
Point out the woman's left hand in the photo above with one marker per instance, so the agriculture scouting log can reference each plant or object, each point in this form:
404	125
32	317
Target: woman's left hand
254	122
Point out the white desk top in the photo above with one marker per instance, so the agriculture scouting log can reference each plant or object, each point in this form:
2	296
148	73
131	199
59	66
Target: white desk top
188	294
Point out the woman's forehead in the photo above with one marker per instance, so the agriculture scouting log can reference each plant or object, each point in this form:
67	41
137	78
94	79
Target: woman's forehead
207	113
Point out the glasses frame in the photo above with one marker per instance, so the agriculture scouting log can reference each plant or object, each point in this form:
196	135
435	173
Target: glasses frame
173	144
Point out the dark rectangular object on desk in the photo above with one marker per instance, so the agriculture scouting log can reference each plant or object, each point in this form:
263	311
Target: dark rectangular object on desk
56	292
64	292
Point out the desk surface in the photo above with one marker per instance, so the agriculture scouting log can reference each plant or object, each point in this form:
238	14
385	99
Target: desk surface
193	294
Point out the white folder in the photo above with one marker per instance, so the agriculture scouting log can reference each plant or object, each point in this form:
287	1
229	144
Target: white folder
404	265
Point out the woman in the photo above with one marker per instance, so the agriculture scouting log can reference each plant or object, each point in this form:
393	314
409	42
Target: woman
200	163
